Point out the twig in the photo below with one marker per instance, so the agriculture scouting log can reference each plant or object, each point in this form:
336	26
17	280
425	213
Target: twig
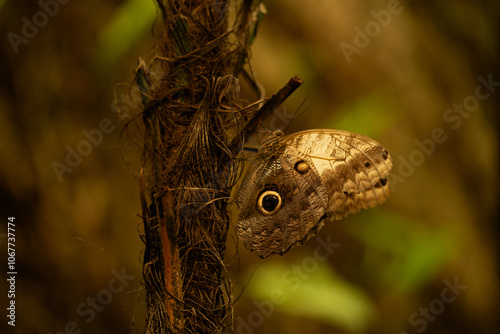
264	112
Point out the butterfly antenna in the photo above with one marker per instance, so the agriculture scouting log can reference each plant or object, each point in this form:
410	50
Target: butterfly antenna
297	113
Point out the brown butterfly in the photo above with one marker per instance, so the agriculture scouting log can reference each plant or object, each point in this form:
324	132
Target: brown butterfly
300	180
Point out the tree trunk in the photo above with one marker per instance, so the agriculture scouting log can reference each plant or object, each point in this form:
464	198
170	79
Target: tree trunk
191	105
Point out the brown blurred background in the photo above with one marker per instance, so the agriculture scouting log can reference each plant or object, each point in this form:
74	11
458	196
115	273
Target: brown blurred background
425	262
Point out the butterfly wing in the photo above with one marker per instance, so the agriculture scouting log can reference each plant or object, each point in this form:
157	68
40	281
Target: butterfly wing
354	168
303	203
299	180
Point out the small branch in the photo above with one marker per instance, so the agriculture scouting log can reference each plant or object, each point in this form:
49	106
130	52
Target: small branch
264	112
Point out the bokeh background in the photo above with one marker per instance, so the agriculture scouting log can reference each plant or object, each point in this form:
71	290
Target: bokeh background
387	69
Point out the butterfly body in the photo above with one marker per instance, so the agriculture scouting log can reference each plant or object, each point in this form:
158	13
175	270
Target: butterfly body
298	181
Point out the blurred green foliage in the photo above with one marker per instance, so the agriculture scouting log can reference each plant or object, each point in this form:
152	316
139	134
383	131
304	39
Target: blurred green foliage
370	115
129	23
321	295
416	252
